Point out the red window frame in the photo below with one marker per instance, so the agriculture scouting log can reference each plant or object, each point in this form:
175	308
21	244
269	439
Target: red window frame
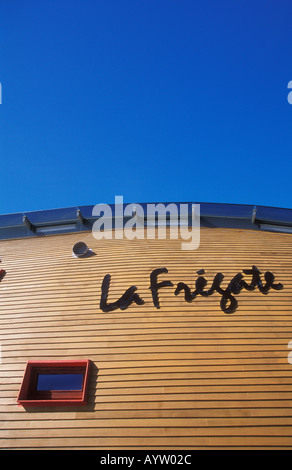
30	396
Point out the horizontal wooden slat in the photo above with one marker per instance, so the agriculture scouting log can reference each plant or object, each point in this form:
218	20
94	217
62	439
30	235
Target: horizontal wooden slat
176	442
186	376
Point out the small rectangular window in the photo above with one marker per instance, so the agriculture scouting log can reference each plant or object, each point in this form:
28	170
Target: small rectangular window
57	381
54	383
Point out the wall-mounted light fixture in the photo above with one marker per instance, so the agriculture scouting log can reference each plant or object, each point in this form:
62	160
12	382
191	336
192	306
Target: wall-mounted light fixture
81	250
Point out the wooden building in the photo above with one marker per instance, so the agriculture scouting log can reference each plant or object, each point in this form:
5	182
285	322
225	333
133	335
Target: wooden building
186	375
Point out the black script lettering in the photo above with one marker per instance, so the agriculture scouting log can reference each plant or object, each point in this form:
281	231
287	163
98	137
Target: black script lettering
256	279
200	285
269	278
228	302
257	282
154	285
2	274
127	298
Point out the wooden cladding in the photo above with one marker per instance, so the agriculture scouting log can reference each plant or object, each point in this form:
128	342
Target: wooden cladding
184	376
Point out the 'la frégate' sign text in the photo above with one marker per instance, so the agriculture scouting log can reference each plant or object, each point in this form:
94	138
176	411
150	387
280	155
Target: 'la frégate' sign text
228	303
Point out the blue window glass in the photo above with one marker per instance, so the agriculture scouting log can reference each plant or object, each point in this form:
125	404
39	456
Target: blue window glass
59	382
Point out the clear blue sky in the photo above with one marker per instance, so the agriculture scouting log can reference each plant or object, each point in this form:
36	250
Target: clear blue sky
155	100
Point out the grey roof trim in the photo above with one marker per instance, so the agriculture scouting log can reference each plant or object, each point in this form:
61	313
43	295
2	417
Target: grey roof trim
77	219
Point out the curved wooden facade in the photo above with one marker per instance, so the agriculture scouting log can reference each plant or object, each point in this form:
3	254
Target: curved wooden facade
184	376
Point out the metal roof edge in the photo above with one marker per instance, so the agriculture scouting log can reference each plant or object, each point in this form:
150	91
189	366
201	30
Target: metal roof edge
81	218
